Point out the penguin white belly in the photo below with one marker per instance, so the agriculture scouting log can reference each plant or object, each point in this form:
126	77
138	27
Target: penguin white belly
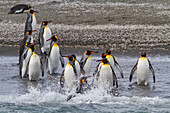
69	76
34	67
143	71
111	61
34	21
53	60
87	66
46	36
78	68
25	62
106	78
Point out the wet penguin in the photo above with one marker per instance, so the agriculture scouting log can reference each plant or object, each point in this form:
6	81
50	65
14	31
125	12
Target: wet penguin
44	34
24	61
35	65
85	62
113	62
20	8
106	76
69	75
28	38
54	56
31	21
143	67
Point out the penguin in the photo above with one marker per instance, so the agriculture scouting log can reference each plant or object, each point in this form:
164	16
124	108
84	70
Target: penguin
44	34
54	56
24	61
103	55
143	67
69	75
85	61
113	62
106	76
31	21
35	65
20	8
28	38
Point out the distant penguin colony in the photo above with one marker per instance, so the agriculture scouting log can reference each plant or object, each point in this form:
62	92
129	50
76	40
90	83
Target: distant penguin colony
31	65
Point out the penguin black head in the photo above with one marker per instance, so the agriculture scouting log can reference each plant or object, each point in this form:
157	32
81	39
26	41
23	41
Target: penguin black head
53	38
103	55
143	54
32	11
74	56
108	51
46	22
104	60
28	7
70	58
31	45
27	44
87	52
83	80
29	32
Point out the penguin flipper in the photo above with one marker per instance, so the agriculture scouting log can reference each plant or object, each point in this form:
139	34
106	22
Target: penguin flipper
96	69
42	67
114	78
74	68
40	38
133	71
62	79
50	50
61	60
118	67
152	70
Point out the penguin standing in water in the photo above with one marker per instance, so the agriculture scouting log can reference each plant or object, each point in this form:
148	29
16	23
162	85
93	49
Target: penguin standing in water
69	75
143	67
20	8
44	34
35	65
54	56
106	76
28	38
113	62
31	21
85	61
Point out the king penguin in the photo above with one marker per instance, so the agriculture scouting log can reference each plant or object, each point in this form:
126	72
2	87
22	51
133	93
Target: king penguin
69	75
31	21
106	76
28	38
113	62
44	34
20	8
35	65
85	62
54	56
143	67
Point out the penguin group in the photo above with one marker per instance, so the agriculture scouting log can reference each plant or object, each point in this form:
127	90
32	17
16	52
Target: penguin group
32	67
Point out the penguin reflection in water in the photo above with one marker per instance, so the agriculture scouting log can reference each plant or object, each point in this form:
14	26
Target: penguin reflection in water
106	77
35	65
143	67
69	75
54	56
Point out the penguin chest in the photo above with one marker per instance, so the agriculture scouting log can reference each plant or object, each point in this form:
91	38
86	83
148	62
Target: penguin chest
88	65
143	70
54	58
34	21
69	76
34	67
46	36
106	77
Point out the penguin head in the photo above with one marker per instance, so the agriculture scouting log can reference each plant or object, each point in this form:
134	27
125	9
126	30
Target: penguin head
74	56
27	44
108	51
53	38
28	7
104	60
46	22
31	45
29	32
143	54
87	52
32	11
103	55
83	80
70	58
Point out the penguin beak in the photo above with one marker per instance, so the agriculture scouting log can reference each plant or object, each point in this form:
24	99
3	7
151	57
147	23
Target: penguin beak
34	30
35	12
66	56
49	39
49	21
99	60
93	52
